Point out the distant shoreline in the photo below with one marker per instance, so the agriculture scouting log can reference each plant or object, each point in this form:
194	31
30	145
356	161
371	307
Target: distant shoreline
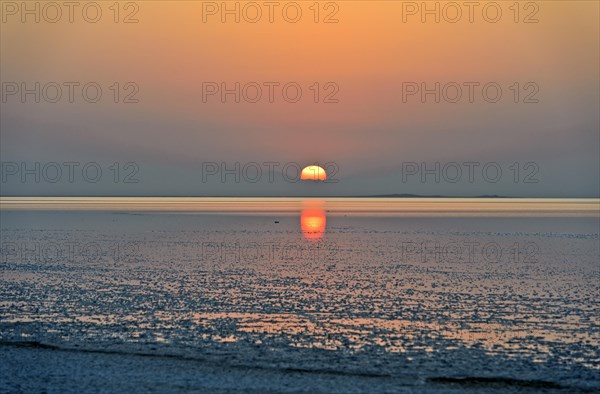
399	196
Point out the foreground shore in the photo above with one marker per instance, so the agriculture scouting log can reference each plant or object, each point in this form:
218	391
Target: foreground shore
34	367
143	302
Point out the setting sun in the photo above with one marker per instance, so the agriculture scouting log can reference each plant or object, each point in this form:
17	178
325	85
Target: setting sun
313	173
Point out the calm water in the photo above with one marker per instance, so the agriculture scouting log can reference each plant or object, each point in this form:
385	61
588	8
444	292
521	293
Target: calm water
332	295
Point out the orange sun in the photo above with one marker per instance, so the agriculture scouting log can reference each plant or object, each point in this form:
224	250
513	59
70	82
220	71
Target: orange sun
313	173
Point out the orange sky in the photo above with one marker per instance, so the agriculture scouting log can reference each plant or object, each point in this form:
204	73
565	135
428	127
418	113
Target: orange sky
367	54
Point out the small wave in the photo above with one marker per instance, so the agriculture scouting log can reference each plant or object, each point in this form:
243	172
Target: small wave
503	382
43	346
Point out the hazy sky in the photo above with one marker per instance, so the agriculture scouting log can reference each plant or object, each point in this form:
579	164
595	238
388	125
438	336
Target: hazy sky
370	61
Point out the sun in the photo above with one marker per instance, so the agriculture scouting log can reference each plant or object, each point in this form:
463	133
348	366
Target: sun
313	173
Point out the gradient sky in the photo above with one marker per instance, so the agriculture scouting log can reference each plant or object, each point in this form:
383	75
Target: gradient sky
369	134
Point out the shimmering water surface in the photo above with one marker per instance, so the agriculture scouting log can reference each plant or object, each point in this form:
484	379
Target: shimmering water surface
347	295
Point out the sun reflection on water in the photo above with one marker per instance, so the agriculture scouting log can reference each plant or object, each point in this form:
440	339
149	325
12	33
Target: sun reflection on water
313	219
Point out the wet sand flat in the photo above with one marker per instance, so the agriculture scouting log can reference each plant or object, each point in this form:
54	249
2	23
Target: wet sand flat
323	300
